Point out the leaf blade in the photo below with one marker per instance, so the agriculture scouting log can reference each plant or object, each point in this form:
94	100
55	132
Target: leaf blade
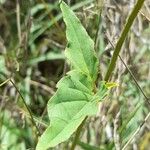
80	49
62	128
74	98
67	109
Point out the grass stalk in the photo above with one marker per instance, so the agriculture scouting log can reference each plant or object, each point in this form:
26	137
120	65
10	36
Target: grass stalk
28	109
122	38
132	75
18	24
136	132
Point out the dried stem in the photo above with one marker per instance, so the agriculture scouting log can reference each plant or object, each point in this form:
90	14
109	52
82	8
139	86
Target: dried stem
30	113
132	75
18	24
138	129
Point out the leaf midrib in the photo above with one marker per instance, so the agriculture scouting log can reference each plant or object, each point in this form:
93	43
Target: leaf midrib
73	27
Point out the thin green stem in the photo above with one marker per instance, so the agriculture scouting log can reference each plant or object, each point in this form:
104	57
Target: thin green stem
122	38
30	113
132	75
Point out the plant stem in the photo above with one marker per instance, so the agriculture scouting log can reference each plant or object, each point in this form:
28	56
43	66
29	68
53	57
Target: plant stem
1	84
135	80
132	75
30	113
137	131
18	24
77	135
112	64
122	38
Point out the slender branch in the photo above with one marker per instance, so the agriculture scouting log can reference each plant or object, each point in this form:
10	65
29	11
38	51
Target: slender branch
143	14
1	84
132	75
122	38
30	113
18	24
147	100
138	129
136	82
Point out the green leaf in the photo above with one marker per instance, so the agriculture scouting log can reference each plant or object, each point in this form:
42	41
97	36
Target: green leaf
76	96
80	49
64	123
67	109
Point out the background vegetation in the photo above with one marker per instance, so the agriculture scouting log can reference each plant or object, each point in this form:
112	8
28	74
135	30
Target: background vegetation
32	42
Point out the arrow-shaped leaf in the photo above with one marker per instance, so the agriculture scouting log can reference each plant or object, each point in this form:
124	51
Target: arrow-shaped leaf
76	96
67	109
